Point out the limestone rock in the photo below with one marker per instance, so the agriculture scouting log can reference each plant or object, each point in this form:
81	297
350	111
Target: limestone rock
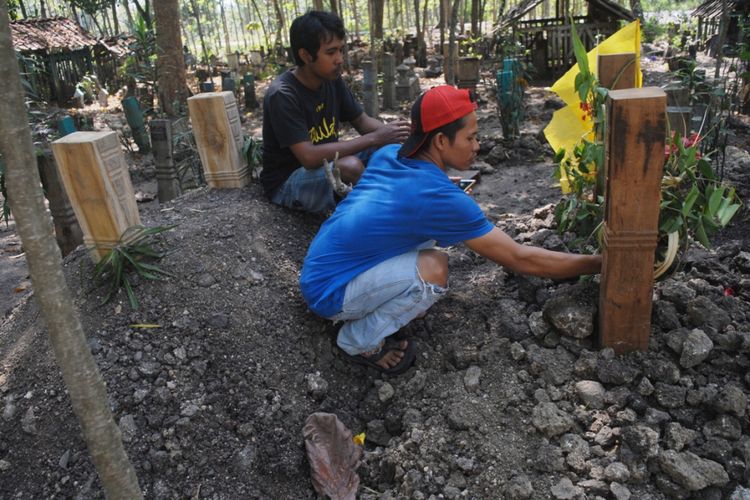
591	393
551	420
691	471
696	348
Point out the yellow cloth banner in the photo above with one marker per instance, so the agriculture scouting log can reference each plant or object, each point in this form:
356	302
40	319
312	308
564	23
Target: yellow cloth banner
570	124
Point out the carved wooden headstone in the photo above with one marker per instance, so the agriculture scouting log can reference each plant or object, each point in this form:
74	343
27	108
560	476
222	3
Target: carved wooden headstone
370	88
67	231
634	151
168	185
98	185
218	135
389	81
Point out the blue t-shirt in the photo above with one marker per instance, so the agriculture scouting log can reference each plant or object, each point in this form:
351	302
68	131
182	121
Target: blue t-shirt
397	205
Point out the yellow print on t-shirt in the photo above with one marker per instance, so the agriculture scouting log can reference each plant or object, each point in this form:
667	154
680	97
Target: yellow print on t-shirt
323	131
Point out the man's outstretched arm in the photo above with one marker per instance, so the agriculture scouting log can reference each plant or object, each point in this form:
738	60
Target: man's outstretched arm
374	134
502	249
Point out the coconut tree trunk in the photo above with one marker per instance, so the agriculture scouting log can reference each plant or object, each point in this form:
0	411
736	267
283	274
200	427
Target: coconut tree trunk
82	378
170	60
129	15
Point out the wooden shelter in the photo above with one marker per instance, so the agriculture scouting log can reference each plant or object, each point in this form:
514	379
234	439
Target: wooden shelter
709	21
543	27
56	53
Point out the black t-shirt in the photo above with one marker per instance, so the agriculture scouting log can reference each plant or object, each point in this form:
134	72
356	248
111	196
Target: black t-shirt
292	113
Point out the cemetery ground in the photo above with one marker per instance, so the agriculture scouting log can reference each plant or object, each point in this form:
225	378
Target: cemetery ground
211	380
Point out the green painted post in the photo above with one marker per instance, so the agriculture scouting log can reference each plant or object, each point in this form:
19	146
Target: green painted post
66	125
134	115
251	102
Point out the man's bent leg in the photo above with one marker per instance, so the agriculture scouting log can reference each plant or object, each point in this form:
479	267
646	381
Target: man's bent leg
306	189
383	299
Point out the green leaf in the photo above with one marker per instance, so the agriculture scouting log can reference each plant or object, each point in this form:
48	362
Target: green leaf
690	200
714	201
579	50
726	214
700	234
131	295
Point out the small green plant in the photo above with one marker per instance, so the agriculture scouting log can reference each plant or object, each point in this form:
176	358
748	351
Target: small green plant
130	254
252	150
695	203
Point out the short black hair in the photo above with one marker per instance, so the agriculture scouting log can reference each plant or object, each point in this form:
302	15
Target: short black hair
309	30
449	130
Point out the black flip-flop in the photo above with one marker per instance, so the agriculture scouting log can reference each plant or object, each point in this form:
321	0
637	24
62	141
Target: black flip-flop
410	354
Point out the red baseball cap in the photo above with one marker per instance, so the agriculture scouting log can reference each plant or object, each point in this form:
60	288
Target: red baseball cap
434	108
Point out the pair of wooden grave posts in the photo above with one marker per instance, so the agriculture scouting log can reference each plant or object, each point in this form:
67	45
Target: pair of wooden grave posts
96	179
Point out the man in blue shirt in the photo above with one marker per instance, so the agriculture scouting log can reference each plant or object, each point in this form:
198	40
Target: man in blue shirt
373	263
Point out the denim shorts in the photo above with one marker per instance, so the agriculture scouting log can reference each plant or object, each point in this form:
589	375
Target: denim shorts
381	300
306	189
309	190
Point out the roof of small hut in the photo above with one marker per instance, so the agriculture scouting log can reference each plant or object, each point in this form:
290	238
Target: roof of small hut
712	8
525	6
54	34
118	45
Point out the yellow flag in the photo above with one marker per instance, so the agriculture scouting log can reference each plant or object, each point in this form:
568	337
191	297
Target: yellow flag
569	125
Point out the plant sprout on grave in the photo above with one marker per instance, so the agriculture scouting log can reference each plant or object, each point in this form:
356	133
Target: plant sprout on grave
131	254
695	203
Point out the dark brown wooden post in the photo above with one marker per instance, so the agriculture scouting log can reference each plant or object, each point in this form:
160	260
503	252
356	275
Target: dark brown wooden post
616	71
168	185
634	162
67	231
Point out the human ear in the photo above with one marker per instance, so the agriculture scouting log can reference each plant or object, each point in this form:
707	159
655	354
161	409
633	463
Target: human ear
305	56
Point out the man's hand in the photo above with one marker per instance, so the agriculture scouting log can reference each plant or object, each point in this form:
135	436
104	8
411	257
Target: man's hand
391	132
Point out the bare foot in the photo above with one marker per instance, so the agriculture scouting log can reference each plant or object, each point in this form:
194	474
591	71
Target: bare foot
393	356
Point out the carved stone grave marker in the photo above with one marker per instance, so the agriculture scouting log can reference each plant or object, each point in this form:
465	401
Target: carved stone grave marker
67	231
389	81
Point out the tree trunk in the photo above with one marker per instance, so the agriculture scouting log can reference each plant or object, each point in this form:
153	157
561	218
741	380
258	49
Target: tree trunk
170	62
115	22
196	14
317	4
82	378
474	18
450	65
239	27
279	24
635	6
225	29
43	9
145	12
129	15
22	6
356	19
262	24
723	25
334	10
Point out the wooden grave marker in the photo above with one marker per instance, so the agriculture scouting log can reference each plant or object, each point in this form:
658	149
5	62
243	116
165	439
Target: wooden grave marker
96	179
67	231
616	71
634	162
168	185
218	135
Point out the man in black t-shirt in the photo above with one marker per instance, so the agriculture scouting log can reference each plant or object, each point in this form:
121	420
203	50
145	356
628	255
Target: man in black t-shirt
302	114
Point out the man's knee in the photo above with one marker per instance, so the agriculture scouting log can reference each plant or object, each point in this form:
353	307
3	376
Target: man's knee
351	169
433	267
